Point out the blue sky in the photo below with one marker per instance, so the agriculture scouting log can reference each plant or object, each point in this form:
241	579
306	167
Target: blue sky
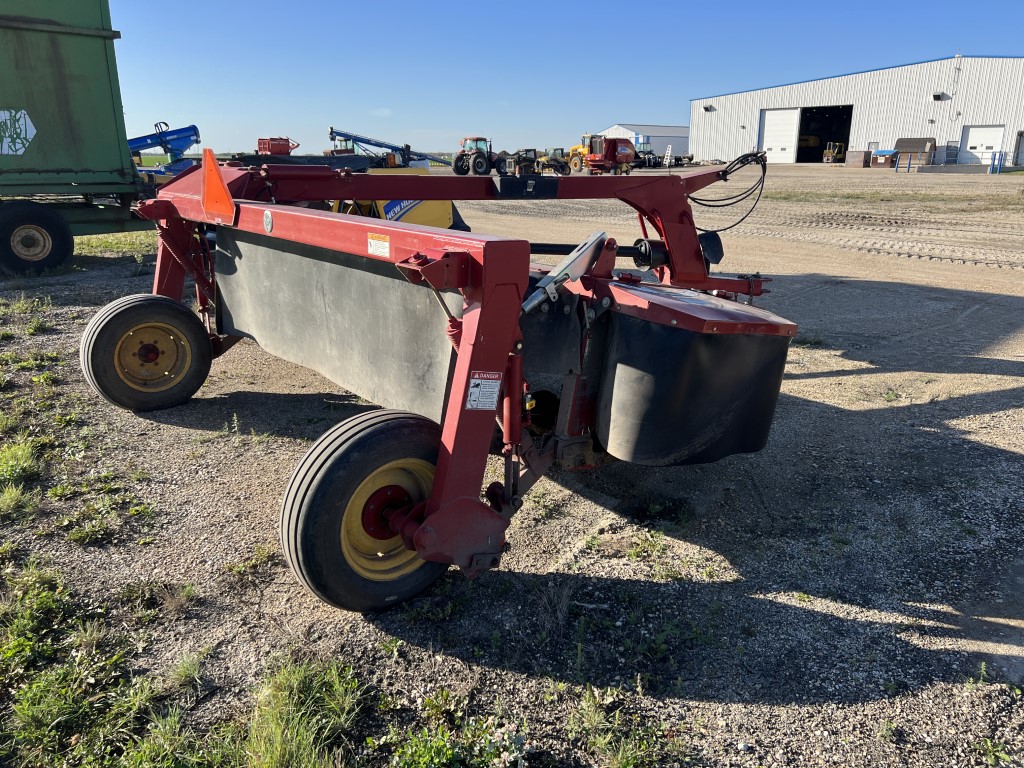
528	74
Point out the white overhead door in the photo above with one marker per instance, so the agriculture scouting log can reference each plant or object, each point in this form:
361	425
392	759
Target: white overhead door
779	134
979	142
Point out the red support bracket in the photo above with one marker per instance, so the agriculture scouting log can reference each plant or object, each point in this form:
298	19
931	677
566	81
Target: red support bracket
441	270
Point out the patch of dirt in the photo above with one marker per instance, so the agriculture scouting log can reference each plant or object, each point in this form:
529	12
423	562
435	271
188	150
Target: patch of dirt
827	601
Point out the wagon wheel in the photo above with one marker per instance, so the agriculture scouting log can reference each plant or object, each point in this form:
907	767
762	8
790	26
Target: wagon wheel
481	165
146	352
576	163
32	238
334	529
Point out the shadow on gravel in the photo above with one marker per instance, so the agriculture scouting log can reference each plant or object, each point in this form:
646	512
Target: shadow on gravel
870	552
901	327
306	415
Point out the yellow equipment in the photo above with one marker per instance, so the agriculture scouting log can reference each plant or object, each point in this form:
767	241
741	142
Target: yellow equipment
835	152
432	213
577	154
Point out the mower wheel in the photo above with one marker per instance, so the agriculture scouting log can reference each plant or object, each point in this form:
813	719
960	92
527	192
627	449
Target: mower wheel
461	165
146	352
33	237
480	164
334	528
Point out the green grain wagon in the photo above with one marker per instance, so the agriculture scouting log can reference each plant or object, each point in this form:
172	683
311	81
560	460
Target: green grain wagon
65	168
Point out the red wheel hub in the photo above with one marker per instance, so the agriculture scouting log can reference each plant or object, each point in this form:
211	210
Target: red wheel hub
149	353
379	508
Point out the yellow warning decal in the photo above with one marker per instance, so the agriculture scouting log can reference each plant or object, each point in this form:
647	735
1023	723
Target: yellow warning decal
378	245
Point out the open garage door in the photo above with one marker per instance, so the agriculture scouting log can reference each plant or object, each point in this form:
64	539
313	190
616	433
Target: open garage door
778	134
821	126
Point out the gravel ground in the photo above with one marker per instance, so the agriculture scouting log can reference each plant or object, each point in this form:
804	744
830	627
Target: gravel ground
852	595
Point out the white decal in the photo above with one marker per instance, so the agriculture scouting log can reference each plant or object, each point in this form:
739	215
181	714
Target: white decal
378	245
16	131
484	387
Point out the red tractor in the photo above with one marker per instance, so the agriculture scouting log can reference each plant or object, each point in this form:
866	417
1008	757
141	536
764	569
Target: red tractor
475	155
613	156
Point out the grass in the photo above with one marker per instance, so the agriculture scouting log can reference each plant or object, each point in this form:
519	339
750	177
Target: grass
988	202
648	545
37	325
261	557
148	599
473	743
187	673
616	738
16	502
119	243
35	360
304	714
18	462
74	701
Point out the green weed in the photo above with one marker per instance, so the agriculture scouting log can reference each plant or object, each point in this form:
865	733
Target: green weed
303	713
993	752
23	305
18	462
474	743
16	502
647	546
617	739
37	325
262	556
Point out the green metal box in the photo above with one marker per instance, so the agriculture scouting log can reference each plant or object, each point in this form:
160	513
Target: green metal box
65	167
61	119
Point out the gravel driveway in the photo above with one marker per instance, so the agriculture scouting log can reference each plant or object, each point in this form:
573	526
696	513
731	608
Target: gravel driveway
852	595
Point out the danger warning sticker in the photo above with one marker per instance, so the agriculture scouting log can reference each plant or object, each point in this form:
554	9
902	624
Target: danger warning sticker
484	388
378	245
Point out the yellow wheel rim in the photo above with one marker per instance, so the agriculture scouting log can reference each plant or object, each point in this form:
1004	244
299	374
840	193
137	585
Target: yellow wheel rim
376	559
152	357
31	243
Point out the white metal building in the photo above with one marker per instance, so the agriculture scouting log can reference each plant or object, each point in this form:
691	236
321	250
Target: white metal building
973	106
659	136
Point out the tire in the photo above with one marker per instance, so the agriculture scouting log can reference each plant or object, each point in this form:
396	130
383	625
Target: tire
502	167
461	165
324	516
170	336
564	169
480	164
33	238
576	163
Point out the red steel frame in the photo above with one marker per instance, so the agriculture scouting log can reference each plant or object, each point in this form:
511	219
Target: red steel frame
453	526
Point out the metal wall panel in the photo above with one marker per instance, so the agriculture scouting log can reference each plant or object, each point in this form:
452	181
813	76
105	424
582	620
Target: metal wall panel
888	104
